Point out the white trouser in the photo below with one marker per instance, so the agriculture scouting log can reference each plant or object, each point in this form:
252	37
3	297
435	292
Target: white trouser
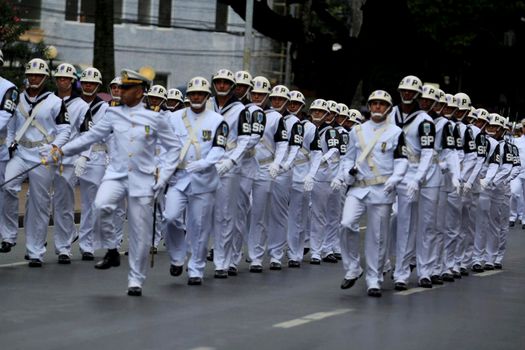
64	209
468	228
487	225
225	214
195	213
37	206
89	183
452	232
241	227
278	216
438	245
504	226
405	234
391	239
426	231
119	219
160	226
377	226
140	210
333	224
297	217
3	164
517	189
320	195
258	234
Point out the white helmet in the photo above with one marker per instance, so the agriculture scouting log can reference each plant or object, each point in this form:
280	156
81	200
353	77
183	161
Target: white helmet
198	84
1	58
37	66
430	92
65	70
380	95
442	98
297	96
451	101
355	116
508	124
343	109
243	77
227	75
332	106
91	75
261	85
175	94
463	101
117	80
497	120
158	91
481	114
411	83
280	91
519	126
320	104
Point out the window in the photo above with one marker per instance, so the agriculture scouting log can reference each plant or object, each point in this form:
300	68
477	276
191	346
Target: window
87	11
143	12
71	10
117	11
165	13
221	16
161	79
30	10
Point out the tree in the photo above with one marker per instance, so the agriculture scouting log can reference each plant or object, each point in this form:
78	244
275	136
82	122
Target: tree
104	53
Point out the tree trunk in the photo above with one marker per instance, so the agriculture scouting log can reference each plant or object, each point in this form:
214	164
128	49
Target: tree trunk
104	53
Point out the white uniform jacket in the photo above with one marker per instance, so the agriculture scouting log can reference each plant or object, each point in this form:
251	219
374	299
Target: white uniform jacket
308	158
330	143
273	145
97	153
78	111
8	101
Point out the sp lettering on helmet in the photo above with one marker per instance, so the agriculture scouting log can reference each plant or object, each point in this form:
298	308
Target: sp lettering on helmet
297	96
243	78
320	104
65	70
463	101
412	83
198	84
261	85
37	66
91	75
280	91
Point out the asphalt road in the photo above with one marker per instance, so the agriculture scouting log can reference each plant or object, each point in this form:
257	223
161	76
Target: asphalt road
76	306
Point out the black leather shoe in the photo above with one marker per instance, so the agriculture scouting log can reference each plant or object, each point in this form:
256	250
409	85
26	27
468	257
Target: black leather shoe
294	264
26	257
400	286
6	247
135	291
447	277
194	281
306	251
111	259
489	267
35	263
457	275
275	266
425	283
315	261
463	271
498	266
338	256
412	267
176	270
64	259
436	280
330	258
512	223
87	256
523	227
374	292
232	271
221	274
248	260
348	283
209	257
256	268
477	268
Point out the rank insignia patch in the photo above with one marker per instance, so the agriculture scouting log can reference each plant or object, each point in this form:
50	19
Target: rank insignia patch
206	135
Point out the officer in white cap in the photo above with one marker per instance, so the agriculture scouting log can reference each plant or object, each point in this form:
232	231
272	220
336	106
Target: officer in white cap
190	197
131	171
41	122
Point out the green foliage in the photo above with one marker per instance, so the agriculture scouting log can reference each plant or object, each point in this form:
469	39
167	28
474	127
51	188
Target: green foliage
11	25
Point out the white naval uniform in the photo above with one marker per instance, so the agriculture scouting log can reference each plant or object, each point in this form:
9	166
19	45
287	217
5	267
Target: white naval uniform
305	164
65	180
190	197
520	180
386	161
248	172
419	133
130	173
50	126
280	191
89	182
8	101
225	211
325	201
271	149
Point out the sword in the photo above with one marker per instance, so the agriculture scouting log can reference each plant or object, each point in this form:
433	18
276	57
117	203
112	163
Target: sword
152	248
23	173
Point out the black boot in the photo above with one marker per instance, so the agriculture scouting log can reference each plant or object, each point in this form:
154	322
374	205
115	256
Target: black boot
111	259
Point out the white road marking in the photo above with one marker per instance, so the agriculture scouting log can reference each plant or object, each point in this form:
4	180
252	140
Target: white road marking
416	290
203	348
487	273
310	318
14	264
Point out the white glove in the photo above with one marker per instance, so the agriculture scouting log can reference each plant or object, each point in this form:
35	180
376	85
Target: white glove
308	183
285	167
196	166
467	187
483	184
158	188
224	166
274	170
389	185
45	153
412	191
336	184
443	166
80	166
457	186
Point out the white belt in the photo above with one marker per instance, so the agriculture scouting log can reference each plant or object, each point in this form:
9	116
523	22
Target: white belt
2	140
301	161
249	154
99	147
378	180
32	144
415	158
266	161
182	165
231	145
